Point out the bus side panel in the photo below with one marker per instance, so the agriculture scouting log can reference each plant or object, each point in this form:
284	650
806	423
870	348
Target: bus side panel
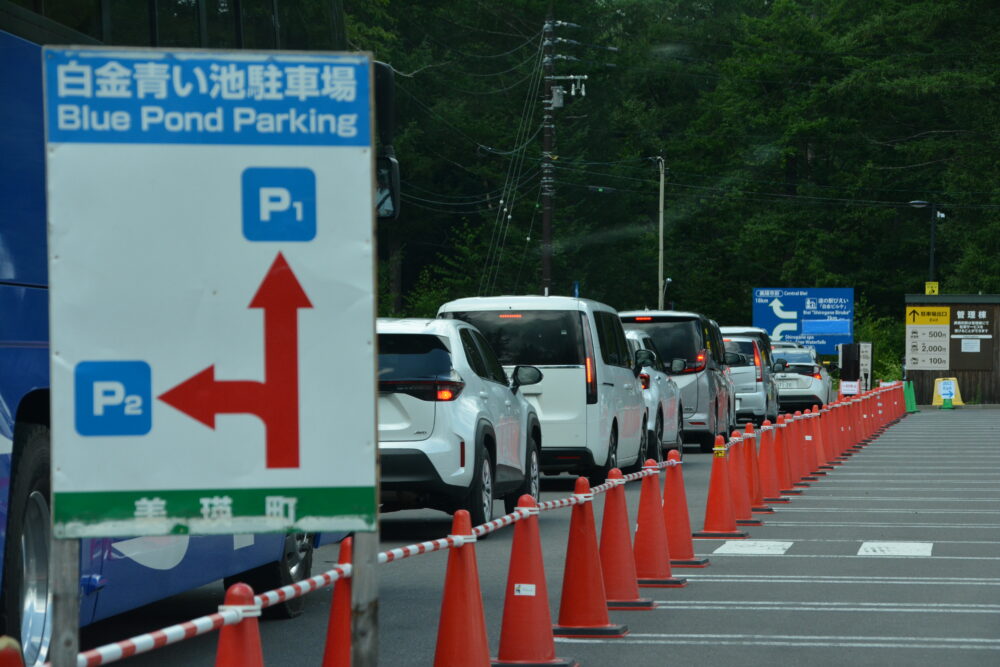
22	169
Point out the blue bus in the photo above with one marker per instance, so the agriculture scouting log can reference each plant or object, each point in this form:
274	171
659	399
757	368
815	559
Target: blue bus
116	575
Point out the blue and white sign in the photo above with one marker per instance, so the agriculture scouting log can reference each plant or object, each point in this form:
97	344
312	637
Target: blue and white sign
211	268
820	317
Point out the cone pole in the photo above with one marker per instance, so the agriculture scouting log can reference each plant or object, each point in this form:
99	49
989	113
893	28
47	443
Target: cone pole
583	608
617	563
757	503
720	522
652	558
239	644
738	479
676	521
337	652
526	633
768	461
461	638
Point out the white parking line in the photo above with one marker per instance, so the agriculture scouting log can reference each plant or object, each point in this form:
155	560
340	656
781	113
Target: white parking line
812	496
873	607
873	510
804	641
733	555
753	547
922	549
881	524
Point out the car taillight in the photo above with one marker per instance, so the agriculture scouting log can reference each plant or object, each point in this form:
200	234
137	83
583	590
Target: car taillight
509	316
425	390
699	363
816	373
817	376
756	361
588	351
644	379
642	318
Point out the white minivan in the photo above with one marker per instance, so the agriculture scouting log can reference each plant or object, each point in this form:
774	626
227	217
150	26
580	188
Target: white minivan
590	400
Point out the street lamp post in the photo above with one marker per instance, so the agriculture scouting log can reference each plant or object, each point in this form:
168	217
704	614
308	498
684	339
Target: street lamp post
935	214
661	287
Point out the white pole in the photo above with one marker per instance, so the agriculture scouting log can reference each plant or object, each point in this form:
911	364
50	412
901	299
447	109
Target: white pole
659	276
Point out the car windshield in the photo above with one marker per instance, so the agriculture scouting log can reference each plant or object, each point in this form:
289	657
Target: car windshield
744	347
674	339
412	357
532	337
795	356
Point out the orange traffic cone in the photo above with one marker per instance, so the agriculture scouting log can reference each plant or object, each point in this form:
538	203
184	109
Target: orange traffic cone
239	644
617	565
675	516
10	652
812	456
652	557
819	438
739	482
768	461
583	609
784	464
526	633
753	472
720	522
461	638
337	652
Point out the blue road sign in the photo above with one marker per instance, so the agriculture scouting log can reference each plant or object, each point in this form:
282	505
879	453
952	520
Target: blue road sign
112	398
820	317
279	204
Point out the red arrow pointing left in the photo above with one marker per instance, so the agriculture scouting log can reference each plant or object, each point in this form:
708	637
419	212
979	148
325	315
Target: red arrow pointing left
275	400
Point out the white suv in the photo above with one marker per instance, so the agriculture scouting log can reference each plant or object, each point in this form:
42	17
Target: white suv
590	402
453	432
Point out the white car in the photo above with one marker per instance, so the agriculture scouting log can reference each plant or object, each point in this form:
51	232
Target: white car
663	400
454	432
590	401
804	382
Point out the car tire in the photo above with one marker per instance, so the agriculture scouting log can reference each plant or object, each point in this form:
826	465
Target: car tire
706	442
679	440
599	474
654	441
26	582
532	485
295	565
480	499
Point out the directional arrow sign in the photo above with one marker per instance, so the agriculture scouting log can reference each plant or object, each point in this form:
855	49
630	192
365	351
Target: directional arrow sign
276	400
212	296
776	308
820	317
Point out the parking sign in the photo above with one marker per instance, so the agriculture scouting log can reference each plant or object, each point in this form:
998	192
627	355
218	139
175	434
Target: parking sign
211	291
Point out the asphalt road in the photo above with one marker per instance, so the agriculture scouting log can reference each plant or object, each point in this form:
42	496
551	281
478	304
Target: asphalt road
892	559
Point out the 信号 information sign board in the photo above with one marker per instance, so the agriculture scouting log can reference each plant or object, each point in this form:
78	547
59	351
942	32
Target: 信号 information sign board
211	291
818	317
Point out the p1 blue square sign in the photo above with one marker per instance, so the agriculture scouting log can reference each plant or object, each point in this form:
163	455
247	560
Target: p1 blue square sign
113	398
279	204
819	317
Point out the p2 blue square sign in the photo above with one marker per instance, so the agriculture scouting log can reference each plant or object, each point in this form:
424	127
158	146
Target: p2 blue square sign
819	317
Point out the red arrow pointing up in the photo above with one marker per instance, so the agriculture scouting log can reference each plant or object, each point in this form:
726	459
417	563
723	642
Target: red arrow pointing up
275	400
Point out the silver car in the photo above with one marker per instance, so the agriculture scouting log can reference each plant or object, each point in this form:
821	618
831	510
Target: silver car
804	382
663	400
756	388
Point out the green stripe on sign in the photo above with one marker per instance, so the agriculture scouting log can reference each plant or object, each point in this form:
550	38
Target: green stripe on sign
213	511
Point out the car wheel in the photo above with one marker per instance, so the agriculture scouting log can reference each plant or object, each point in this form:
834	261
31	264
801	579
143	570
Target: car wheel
706	442
658	434
27	598
600	473
532	479
480	500
654	442
295	565
679	440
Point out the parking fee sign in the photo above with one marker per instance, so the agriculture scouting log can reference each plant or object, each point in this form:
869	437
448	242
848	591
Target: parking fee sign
211	270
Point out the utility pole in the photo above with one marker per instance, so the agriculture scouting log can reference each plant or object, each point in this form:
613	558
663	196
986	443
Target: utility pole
548	137
660	287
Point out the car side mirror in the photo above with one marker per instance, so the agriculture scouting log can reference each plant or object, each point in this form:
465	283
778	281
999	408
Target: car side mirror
678	365
525	375
733	358
643	358
780	366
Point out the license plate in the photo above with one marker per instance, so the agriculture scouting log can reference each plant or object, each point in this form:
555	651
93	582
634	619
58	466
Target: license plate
786	385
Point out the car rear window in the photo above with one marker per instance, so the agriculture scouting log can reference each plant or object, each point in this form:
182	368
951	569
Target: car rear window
535	337
674	339
742	347
412	357
795	356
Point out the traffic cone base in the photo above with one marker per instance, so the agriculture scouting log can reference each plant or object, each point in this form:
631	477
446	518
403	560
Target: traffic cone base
555	662
610	630
638	604
762	509
720	535
793	492
749	522
672	582
692	562
778	500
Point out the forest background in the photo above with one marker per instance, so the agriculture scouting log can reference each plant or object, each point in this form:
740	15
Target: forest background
795	134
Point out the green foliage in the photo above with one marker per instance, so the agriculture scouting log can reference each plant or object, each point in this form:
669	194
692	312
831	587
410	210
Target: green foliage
795	133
